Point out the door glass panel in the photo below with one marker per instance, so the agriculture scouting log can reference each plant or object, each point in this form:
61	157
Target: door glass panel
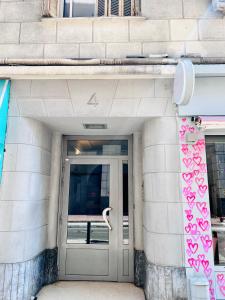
97	147
125	204
88	197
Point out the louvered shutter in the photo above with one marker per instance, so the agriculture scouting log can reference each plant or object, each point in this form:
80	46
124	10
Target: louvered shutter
127	7
101	8
115	7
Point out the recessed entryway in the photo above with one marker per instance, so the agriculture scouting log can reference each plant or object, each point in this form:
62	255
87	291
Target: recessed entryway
81	290
96	222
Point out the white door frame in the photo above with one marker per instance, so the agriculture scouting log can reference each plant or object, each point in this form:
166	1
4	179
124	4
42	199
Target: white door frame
123	251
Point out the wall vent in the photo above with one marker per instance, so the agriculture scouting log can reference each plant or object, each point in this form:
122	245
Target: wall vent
95	126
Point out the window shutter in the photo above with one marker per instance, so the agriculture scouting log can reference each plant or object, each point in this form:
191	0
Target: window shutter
127	8
101	8
115	8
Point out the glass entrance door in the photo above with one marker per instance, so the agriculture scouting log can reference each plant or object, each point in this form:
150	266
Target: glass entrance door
90	220
96	223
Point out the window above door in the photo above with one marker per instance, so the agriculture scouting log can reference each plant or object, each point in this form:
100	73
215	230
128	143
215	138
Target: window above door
99	8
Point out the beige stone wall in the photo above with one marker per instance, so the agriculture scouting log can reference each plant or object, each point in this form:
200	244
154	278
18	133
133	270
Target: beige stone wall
163	220
175	27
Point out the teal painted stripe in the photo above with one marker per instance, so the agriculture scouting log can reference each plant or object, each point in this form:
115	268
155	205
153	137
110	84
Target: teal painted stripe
4	105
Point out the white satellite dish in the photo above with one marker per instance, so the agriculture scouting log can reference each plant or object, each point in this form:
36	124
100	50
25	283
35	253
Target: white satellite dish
184	82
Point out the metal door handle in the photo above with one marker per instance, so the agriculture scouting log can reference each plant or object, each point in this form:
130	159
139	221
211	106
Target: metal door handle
104	212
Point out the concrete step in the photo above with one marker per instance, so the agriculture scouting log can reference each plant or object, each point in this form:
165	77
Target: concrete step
86	290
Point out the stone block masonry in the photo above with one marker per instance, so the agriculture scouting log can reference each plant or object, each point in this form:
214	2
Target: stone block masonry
177	28
23	280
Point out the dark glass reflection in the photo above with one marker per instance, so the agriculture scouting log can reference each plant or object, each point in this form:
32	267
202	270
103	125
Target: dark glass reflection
97	147
88	197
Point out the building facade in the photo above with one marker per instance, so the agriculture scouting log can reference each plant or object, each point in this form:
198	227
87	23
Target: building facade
105	163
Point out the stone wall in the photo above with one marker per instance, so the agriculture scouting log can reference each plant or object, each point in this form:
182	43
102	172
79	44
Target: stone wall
165	283
23	280
175	27
139	268
24	190
159	282
162	232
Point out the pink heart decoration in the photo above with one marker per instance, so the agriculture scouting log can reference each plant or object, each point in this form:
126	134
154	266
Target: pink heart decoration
187	176
196	236
212	292
184	148
201	206
199	181
184	119
202	168
197	160
210	283
191	129
208	272
220	279
190	199
195	263
182	133
184	127
203	224
188	228
222	290
206	242
189	215
201	256
187	162
205	264
193	247
196	172
189	253
191	228
186	190
203	188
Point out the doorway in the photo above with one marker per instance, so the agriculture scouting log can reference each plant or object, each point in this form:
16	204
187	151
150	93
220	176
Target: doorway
96	219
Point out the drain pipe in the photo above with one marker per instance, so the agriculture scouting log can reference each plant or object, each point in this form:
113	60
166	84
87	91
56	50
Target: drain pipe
109	61
87	62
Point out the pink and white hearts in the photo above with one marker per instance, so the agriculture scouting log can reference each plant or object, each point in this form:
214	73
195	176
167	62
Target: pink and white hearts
206	242
201	206
199	181
203	224
191	199
187	177
189	215
187	162
221	283
198	245
220	279
184	149
193	247
202	190
191	228
197	160
194	263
